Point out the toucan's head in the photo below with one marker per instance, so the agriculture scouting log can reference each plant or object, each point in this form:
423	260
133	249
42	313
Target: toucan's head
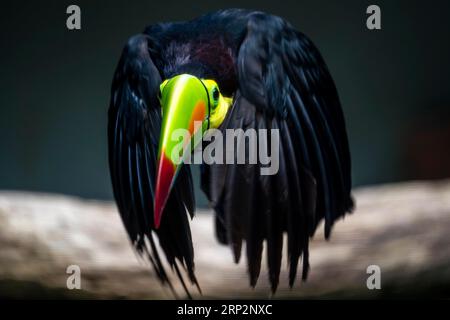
190	106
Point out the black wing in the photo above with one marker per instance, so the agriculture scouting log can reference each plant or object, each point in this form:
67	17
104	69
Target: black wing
134	121
284	84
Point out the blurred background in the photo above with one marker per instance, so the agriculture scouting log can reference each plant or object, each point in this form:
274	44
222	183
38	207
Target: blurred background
54	94
393	84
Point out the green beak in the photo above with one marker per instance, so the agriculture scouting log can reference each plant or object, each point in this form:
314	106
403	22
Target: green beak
185	108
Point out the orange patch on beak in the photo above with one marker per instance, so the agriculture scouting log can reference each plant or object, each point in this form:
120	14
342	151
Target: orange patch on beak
198	114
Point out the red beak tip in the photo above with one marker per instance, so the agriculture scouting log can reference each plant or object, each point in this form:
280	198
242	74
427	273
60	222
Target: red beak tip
166	172
157	217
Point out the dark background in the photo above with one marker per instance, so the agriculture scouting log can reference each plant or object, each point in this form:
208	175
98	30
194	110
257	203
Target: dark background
55	83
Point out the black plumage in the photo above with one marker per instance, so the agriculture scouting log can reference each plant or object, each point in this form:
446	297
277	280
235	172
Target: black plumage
278	80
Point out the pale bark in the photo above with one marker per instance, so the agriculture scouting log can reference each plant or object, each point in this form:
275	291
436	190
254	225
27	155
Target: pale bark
402	228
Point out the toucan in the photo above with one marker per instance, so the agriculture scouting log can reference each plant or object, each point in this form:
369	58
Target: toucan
230	69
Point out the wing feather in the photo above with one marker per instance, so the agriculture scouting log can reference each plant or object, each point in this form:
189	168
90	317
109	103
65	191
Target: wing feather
284	84
134	121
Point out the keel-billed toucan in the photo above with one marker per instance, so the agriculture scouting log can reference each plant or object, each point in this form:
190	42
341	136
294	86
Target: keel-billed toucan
229	69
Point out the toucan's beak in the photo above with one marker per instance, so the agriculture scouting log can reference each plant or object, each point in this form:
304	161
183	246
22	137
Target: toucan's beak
184	102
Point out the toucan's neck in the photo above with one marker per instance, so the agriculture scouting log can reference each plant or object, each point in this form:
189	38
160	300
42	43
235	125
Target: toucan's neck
196	69
223	75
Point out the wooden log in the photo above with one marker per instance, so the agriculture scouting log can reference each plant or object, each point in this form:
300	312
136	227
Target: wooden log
402	228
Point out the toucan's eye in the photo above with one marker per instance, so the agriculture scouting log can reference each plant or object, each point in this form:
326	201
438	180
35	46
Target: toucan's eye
215	94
